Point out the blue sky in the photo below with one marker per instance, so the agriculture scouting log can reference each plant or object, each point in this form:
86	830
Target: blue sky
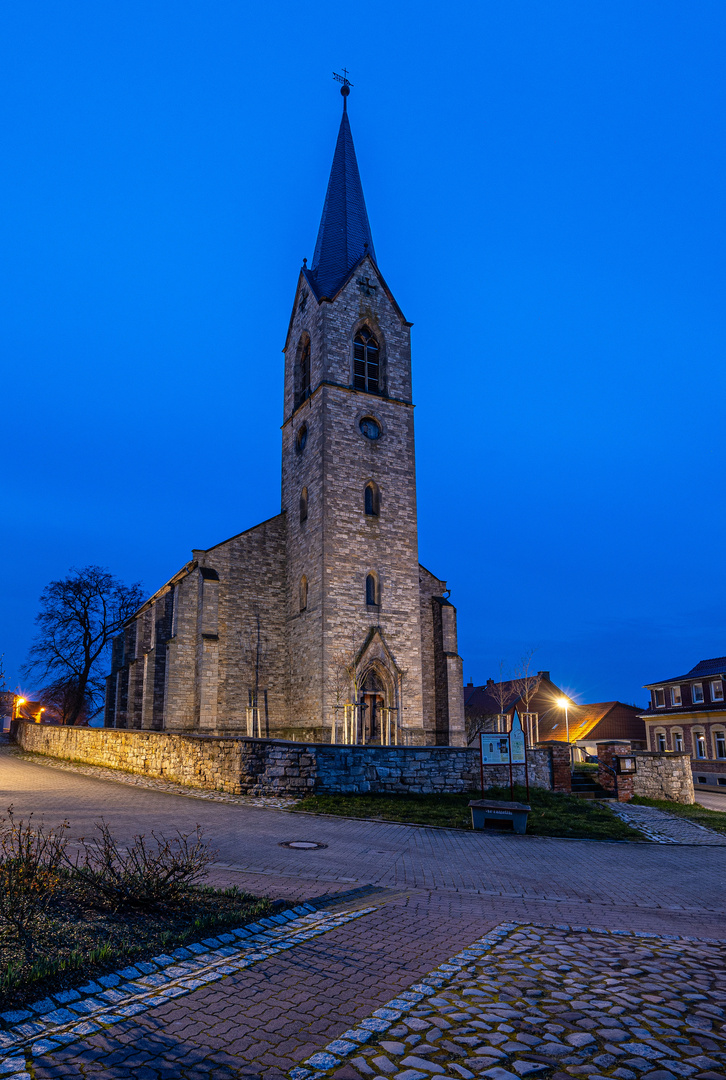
545	187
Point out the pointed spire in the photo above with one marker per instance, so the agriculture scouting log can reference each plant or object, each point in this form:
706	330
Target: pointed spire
344	235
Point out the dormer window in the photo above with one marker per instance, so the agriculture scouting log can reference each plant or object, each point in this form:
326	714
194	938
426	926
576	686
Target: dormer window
717	690
676	695
366	362
660	699
697	693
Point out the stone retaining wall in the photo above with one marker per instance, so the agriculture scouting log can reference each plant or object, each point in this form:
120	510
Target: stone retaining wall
244	766
664	776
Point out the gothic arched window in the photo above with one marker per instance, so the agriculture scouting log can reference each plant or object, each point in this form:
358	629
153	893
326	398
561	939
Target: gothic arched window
303	505
303	370
372	500
371	590
303	593
366	362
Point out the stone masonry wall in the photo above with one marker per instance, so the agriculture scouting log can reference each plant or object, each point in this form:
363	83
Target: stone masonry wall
274	767
664	776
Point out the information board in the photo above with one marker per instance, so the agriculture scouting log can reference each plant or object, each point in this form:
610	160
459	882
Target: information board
494	749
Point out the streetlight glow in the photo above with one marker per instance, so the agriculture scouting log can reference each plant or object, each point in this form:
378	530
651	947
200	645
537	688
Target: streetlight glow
562	702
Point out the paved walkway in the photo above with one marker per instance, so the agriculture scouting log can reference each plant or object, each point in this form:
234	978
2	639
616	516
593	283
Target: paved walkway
665	828
430	894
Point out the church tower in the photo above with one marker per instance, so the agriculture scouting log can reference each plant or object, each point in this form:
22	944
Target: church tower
349	481
318	624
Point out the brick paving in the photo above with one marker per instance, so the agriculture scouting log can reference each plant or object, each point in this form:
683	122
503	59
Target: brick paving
433	893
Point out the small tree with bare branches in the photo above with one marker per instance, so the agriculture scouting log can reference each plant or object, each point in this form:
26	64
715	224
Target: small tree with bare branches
526	684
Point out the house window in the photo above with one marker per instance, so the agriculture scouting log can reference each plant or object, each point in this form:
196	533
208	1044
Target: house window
676	695
371	590
702	780
700	744
717	690
366	362
303	593
720	740
303	505
660	699
678	741
721	780
660	742
371	500
697	693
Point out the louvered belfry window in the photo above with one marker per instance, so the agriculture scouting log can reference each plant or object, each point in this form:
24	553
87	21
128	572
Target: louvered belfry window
366	362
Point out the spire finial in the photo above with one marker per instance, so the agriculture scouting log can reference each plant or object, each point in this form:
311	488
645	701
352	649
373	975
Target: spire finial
345	88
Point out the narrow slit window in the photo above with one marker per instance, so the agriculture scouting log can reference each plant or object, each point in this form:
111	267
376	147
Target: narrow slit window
371	500
371	591
303	505
366	362
303	593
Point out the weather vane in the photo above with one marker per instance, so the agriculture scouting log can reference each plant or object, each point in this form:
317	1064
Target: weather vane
345	88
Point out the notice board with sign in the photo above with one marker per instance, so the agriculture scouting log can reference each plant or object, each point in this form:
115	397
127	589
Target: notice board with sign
505	748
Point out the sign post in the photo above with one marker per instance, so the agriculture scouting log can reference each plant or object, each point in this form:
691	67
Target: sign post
494	750
518	749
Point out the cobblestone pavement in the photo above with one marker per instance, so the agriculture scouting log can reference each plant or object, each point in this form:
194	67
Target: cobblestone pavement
665	828
542	1001
431	893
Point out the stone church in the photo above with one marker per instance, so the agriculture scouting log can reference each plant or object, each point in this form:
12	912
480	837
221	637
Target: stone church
319	624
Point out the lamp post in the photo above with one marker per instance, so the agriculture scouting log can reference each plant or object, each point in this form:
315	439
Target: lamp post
564	703
18	702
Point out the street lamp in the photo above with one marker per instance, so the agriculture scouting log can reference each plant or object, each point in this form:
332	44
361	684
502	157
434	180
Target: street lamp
564	703
18	702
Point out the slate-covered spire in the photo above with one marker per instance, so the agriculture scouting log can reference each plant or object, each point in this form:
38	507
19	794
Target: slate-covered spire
344	230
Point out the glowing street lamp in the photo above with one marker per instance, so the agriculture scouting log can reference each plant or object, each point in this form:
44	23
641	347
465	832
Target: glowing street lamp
564	703
18	702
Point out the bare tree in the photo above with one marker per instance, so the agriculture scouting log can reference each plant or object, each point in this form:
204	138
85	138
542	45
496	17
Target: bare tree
78	617
526	684
504	694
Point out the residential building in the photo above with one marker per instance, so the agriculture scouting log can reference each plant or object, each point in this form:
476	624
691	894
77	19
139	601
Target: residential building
688	712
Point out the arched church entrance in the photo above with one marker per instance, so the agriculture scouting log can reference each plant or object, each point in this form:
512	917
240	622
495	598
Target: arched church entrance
378	708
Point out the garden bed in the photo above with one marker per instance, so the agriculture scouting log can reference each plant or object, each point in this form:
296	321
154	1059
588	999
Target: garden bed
552	815
79	939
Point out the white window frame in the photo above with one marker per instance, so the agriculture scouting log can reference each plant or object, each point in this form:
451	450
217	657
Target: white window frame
697	737
715	735
714	695
676	735
658	736
694	699
660	690
676	690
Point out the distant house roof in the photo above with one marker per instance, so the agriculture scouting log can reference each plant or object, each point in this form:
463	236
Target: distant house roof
704	668
602	720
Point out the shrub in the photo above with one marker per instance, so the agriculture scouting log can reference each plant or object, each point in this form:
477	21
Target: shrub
31	870
147	874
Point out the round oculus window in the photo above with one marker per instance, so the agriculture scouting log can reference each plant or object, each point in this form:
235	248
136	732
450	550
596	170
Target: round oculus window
370	428
302	438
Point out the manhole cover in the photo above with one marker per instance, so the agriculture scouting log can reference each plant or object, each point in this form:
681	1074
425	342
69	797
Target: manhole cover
304	845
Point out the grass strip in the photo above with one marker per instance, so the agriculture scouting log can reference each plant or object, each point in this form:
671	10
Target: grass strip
702	815
552	815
